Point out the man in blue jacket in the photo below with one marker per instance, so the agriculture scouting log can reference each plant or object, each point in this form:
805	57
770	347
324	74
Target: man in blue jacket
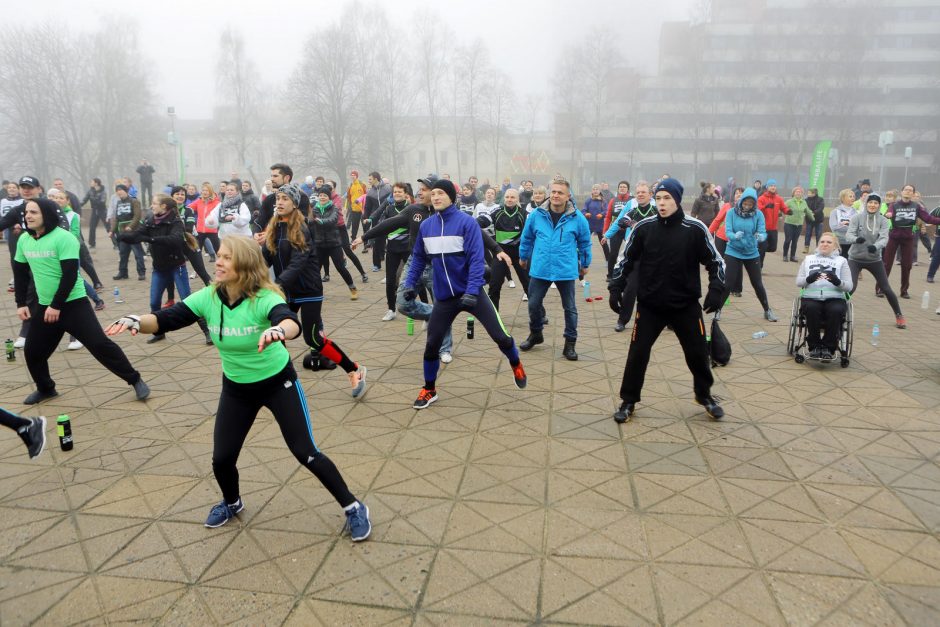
451	241
555	248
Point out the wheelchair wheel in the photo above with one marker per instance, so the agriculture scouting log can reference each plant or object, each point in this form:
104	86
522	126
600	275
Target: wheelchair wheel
799	358
844	362
848	335
794	326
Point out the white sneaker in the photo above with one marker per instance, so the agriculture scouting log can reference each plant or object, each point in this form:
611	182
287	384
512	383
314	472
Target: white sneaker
389	315
525	298
447	358
192	275
382	281
938	313
74	345
20	342
512	283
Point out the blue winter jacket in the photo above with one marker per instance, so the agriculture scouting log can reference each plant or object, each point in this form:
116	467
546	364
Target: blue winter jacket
452	242
753	228
556	252
593	208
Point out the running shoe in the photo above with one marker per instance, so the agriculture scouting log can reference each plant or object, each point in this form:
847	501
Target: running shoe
357	379
770	316
223	512
712	408
624	413
525	298
900	322
74	345
34	436
365	278
358	523
37	397
141	389
446	358
19	342
518	375
99	306
512	283
169	303
425	398
353	294
389	315
326	278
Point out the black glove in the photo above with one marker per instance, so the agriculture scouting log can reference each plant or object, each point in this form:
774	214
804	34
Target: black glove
812	277
712	302
410	294
468	301
614	301
859	240
623	223
835	280
872	249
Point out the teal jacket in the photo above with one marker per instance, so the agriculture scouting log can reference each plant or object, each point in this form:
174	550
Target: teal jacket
556	252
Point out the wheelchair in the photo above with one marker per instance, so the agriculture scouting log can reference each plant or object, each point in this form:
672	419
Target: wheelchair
797	345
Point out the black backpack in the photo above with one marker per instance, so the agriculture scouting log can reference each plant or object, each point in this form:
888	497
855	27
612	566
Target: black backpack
718	345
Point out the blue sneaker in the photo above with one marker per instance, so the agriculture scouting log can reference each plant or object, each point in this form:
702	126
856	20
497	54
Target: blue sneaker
358	523
357	379
223	512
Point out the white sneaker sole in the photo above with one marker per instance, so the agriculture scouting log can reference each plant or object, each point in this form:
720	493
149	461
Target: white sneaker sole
369	532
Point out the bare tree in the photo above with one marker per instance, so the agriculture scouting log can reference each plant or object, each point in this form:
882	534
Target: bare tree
238	86
434	43
499	111
598	57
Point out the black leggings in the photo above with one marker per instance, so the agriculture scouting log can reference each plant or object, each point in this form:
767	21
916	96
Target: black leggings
824	315
877	269
336	254
604	246
733	273
347	250
9	419
213	241
283	395
194	257
722	246
442	317
500	271
311	324
615	242
78	318
86	263
394	262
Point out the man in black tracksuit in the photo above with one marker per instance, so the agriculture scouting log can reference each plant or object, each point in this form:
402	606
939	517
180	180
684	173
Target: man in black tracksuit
669	248
642	209
508	221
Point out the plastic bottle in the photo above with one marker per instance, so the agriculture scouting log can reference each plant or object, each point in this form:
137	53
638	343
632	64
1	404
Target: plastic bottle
11	351
875	332
65	432
925	301
470	327
760	334
117	296
587	291
411	326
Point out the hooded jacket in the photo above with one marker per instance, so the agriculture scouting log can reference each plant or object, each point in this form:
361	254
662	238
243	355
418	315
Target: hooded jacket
324	222
874	227
63	246
751	226
451	241
556	251
832	264
296	271
669	251
705	208
166	240
772	206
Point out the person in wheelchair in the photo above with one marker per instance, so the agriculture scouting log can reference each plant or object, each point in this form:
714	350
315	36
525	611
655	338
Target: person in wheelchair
826	281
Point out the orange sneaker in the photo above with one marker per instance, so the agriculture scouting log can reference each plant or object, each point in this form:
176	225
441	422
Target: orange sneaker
518	375
900	322
169	303
425	398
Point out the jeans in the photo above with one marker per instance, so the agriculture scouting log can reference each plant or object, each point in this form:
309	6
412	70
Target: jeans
160	280
791	235
415	309
813	229
125	249
537	290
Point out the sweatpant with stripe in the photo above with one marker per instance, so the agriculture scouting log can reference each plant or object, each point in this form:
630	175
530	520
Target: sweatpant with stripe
688	326
442	317
283	395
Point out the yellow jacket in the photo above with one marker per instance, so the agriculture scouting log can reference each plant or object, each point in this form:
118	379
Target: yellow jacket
356	191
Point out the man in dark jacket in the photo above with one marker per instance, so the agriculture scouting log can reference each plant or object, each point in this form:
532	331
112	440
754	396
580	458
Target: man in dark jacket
669	247
145	171
281	174
378	194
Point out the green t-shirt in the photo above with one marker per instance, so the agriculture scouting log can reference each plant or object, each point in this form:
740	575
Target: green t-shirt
75	221
43	256
236	332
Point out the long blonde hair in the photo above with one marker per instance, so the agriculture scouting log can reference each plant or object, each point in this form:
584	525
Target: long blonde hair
295	231
250	268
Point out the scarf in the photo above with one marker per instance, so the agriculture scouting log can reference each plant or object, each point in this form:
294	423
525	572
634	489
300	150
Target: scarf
235	201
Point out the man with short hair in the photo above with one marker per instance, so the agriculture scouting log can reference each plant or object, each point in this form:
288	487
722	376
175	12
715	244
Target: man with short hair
378	194
145	172
669	248
74	202
555	247
281	174
614	208
127	217
354	192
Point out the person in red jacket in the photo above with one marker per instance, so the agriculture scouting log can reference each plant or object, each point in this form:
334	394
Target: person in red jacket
772	206
613	210
717	228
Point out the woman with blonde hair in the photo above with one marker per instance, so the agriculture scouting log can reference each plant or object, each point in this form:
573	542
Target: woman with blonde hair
207	236
840	217
249	322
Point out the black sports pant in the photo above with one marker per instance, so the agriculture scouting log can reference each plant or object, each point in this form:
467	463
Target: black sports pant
87	264
722	246
283	395
877	270
78	318
378	251
499	272
734	271
768	246
355	219
628	300
614	243
9	419
213	241
827	315
688	326
604	247
99	214
394	262
336	254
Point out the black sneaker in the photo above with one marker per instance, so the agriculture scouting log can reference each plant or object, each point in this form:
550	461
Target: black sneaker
712	408
141	277
365	278
425	398
625	413
119	277
34	436
38	397
156	338
619	327
326	278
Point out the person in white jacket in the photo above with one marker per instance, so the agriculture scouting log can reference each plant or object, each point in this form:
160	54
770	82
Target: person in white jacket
840	217
232	215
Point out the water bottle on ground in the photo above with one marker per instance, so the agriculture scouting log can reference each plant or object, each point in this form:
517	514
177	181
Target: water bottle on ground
65	432
411	326
11	350
925	301
760	334
587	291
875	333
117	296
470	328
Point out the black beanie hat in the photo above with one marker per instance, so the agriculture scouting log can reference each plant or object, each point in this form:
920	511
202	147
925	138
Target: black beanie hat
448	187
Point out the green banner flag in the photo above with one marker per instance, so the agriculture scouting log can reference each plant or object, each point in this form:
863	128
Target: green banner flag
817	170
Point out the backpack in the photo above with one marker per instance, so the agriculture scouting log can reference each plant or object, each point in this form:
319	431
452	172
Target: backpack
719	348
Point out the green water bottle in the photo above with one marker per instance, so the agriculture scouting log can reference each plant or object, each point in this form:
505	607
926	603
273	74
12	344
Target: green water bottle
411	326
65	432
469	327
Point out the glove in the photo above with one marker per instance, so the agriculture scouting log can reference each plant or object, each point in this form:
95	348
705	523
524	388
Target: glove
614	301
410	294
712	302
738	234
274	334
623	223
835	280
129	322
872	249
859	240
468	301
761	237
812	277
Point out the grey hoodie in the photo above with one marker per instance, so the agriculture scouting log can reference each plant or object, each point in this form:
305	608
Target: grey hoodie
874	228
821	289
839	215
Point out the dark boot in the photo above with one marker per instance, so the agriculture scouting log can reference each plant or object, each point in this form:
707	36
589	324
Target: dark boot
568	351
315	361
535	337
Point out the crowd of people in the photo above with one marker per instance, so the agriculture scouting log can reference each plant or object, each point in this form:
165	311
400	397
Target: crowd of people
446	249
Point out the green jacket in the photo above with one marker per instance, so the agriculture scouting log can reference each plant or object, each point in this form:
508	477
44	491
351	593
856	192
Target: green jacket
799	212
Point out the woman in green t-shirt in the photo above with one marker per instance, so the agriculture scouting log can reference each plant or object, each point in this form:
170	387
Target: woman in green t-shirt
248	322
51	254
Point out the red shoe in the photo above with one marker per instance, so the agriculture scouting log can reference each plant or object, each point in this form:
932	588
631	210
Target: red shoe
900	322
169	303
518	375
425	398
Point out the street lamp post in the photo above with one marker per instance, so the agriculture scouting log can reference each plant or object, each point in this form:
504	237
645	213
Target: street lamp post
908	153
885	139
174	140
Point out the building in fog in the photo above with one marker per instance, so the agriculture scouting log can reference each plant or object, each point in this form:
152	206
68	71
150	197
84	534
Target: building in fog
751	90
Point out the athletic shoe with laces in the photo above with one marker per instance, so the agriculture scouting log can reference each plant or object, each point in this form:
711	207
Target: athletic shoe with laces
74	345
169	303
512	283
525	298
770	316
712	408
446	358
326	278
900	322
357	379
358	523
223	512
37	397
34	436
365	278
389	315
518	375
425	398
20	342
141	389
382	281
353	294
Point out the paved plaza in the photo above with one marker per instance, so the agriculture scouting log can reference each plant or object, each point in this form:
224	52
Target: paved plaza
815	501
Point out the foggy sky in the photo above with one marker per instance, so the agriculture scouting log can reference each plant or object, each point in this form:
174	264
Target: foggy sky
181	37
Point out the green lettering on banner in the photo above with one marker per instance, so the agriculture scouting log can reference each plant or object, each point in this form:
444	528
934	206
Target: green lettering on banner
817	170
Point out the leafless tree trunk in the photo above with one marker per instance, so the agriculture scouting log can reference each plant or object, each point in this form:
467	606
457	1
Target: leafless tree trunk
434	44
240	96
